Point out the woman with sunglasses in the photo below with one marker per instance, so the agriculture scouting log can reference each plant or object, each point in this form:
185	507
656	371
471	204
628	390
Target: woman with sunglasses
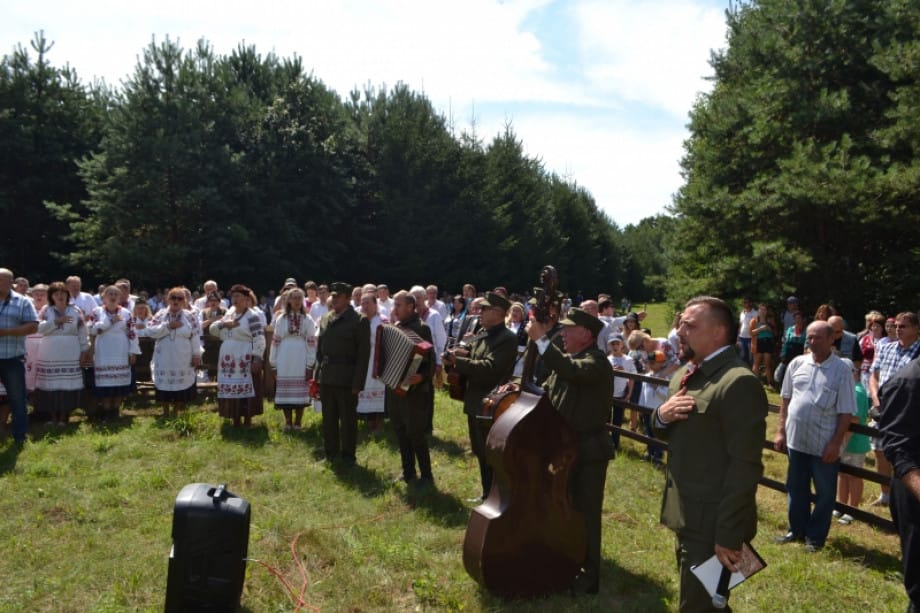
177	353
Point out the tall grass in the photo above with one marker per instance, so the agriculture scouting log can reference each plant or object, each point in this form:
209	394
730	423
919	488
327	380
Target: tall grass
86	514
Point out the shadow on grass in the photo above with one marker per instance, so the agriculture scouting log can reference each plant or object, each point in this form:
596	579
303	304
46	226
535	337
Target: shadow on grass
447	446
358	478
620	590
444	507
112	424
256	436
9	456
869	558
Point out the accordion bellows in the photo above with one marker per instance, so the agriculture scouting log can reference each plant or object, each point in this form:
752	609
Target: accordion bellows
398	353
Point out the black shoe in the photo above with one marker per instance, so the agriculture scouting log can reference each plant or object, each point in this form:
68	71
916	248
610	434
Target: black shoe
789	537
813	547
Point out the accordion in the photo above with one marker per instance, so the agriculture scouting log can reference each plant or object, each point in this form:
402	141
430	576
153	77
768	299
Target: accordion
398	353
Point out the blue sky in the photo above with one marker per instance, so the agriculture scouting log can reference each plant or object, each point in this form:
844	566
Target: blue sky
599	90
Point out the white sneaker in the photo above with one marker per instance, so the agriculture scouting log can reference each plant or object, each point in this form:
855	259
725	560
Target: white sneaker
845	520
881	501
836	513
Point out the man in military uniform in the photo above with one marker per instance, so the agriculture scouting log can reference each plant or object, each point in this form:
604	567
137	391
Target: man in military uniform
715	423
342	353
488	362
409	413
580	386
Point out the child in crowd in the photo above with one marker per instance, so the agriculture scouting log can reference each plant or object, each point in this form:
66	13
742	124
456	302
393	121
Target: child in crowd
622	386
850	487
653	396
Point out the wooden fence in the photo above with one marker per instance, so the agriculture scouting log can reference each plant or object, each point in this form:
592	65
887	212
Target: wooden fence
869	475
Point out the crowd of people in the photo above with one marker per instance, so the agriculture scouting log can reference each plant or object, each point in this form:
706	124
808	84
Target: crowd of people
323	339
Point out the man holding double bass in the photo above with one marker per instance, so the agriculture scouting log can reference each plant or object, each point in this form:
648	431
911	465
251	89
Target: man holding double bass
487	363
580	386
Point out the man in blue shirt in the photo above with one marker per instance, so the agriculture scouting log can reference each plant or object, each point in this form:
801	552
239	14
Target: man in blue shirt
17	320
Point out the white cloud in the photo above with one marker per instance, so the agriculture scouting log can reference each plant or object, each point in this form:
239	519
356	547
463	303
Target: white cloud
654	53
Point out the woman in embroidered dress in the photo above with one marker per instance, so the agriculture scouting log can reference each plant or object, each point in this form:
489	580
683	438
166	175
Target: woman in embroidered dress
61	355
142	317
177	353
39	301
292	357
241	349
371	398
115	351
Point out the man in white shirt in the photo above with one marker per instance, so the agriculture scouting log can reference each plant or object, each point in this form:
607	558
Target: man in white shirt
819	402
80	299
431	293
209	287
384	302
748	312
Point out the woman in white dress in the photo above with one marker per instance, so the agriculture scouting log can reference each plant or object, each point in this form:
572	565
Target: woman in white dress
516	322
177	353
371	398
292	357
115	351
39	301
61	355
242	345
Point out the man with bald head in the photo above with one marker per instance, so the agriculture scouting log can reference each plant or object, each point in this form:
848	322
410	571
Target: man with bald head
17	320
819	402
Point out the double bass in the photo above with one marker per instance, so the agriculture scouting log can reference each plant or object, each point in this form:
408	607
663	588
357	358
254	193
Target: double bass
526	539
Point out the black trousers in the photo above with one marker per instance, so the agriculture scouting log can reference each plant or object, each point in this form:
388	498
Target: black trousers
905	511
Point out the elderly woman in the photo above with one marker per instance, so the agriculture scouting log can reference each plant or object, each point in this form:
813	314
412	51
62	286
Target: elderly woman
63	351
142	317
292	356
116	349
242	336
39	301
177	353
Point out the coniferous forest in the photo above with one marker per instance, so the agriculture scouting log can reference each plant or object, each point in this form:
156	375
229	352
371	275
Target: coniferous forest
801	174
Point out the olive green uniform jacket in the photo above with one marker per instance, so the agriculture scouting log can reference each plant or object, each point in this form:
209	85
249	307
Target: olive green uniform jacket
343	349
490	362
580	387
714	458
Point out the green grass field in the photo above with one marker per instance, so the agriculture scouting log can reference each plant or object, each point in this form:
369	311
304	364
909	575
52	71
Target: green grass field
86	514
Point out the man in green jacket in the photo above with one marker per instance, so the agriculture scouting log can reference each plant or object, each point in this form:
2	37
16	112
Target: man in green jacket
715	424
342	353
580	386
485	364
409	413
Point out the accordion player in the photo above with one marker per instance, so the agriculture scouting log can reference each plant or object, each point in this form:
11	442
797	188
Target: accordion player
398	353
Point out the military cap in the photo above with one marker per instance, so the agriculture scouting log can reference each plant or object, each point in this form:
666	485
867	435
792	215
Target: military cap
497	300
339	288
578	317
